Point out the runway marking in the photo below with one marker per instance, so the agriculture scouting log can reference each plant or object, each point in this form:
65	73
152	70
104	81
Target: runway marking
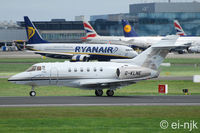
126	104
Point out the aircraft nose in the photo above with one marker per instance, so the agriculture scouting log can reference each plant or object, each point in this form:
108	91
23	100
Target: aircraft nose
12	79
16	78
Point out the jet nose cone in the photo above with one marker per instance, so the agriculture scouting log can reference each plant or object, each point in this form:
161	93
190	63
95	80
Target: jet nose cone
12	78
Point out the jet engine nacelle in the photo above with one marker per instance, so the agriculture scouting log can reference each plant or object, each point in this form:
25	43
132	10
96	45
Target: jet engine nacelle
195	49
130	72
80	58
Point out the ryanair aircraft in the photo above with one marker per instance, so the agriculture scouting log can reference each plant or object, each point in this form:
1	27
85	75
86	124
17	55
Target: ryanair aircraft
75	52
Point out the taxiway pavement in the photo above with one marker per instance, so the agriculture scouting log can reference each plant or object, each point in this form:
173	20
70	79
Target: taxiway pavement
99	101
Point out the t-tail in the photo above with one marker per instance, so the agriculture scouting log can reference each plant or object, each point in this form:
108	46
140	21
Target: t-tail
179	29
90	32
154	56
128	30
33	35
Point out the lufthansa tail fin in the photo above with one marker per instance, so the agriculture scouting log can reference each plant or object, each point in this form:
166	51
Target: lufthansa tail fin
154	56
33	35
179	29
128	30
90	32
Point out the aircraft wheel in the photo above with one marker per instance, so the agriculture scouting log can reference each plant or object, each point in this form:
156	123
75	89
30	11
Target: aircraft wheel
99	92
32	93
110	93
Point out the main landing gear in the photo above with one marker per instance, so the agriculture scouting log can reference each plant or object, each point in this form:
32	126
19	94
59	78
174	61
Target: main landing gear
32	92
99	92
108	93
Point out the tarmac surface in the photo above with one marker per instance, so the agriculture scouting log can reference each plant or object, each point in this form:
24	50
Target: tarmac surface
30	54
43	101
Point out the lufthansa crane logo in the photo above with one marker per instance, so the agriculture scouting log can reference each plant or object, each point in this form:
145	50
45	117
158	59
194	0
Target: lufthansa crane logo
31	32
127	28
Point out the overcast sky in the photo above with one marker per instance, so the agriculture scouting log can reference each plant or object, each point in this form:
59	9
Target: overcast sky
44	10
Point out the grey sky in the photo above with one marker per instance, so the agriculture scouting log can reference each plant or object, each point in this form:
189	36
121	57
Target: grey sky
47	9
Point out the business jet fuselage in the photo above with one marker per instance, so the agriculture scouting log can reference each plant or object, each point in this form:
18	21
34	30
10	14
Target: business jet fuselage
78	73
84	75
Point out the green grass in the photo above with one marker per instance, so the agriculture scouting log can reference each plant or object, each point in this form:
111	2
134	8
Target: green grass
114	119
183	70
37	60
148	87
28	60
182	60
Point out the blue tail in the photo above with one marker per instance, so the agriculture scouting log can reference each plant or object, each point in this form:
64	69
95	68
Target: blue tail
33	35
128	30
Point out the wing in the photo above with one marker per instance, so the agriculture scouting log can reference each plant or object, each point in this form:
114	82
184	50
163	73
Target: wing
107	83
55	54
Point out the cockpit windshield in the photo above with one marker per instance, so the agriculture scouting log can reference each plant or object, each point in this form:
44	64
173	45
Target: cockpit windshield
35	68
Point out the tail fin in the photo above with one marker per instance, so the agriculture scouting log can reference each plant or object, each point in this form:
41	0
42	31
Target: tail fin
179	29
128	30
90	32
154	56
33	35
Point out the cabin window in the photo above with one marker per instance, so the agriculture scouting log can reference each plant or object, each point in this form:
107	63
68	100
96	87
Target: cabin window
39	68
81	69
101	69
75	69
95	69
88	69
69	69
32	68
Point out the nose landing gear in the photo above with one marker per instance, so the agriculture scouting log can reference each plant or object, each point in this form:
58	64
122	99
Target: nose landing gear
32	93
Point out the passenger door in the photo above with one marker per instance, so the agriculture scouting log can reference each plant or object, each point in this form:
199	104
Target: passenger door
53	76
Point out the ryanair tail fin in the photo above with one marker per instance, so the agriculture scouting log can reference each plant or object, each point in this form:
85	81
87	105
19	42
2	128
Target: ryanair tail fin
179	29
90	32
128	30
33	35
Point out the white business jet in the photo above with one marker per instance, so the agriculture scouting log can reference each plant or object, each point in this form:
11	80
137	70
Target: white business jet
98	75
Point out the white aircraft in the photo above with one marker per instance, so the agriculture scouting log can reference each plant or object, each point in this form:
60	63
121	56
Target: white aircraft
131	39
75	52
98	75
93	37
195	40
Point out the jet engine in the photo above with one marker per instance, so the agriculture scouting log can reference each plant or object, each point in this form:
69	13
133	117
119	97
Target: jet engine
83	58
195	49
130	72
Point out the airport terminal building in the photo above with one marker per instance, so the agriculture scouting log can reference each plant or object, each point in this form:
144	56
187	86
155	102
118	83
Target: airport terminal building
157	18
147	18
